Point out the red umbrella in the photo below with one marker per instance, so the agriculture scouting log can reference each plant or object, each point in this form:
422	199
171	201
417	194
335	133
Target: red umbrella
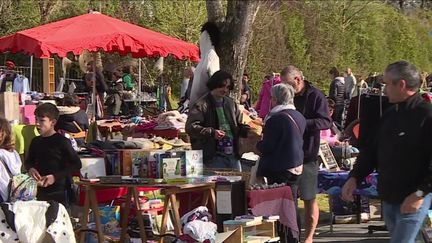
95	32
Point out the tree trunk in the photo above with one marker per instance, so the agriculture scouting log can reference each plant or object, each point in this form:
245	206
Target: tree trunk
45	8
236	35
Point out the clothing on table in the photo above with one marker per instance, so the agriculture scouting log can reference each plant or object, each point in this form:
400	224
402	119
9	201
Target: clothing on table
288	236
405	227
53	155
203	121
312	104
401	151
264	98
276	201
13	161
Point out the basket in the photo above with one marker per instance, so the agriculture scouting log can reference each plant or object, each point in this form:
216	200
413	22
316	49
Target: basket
244	175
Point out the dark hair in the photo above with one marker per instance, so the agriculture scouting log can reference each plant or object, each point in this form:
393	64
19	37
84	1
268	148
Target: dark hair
213	32
127	69
6	138
47	110
218	80
403	70
70	100
335	72
247	75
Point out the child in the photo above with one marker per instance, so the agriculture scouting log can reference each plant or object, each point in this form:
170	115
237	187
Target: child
51	158
9	156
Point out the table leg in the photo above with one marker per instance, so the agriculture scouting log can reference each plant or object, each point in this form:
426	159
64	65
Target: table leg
213	202
95	209
176	220
165	214
139	215
125	216
84	220
205	198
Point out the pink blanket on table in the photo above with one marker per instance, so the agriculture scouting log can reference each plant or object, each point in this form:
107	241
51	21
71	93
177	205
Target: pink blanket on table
277	201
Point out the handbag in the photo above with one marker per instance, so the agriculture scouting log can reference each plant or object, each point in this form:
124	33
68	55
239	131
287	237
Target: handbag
22	187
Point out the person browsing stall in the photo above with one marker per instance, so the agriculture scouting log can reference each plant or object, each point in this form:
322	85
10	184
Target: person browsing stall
401	153
51	159
8	157
214	124
281	147
312	103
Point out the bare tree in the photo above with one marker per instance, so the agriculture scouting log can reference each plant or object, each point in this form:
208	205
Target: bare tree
236	31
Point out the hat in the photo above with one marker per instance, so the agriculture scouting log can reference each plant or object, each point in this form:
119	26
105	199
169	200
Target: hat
10	65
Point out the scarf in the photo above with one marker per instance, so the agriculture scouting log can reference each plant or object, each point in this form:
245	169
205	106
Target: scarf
277	109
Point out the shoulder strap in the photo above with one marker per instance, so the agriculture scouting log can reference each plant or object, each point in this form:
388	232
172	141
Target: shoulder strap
292	119
7	168
77	126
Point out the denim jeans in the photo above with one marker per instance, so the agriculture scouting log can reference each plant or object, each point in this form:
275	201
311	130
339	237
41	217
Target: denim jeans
224	162
405	227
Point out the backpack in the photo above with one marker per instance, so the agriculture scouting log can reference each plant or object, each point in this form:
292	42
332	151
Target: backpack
22	187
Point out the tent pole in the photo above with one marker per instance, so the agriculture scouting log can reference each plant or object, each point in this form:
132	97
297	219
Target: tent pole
94	86
31	72
139	76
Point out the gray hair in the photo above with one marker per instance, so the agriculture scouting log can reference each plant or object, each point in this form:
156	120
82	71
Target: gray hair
283	94
403	70
292	72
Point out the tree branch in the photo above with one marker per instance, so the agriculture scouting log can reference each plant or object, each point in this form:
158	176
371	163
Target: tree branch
215	11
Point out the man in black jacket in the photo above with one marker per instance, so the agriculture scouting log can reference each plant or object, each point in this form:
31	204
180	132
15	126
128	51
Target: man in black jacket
401	153
313	105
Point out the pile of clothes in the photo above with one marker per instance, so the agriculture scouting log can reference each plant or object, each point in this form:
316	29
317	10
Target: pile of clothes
36	222
171	120
197	226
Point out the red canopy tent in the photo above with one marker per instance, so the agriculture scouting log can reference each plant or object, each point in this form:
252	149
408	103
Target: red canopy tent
96	32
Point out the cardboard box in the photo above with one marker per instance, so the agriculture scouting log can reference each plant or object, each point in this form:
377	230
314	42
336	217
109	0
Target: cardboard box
9	106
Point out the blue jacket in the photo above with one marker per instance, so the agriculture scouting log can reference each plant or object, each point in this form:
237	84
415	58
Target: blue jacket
281	147
312	103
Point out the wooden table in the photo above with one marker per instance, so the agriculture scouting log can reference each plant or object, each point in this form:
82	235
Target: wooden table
169	191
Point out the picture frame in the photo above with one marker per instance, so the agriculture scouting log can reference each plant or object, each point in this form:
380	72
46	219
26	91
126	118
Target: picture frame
327	157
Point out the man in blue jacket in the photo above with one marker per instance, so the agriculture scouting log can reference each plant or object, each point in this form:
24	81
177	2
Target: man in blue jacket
312	103
402	155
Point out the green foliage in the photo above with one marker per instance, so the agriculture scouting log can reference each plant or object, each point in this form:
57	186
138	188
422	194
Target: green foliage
364	35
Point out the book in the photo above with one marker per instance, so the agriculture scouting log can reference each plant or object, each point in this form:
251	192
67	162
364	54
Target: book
248	218
271	217
242	222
